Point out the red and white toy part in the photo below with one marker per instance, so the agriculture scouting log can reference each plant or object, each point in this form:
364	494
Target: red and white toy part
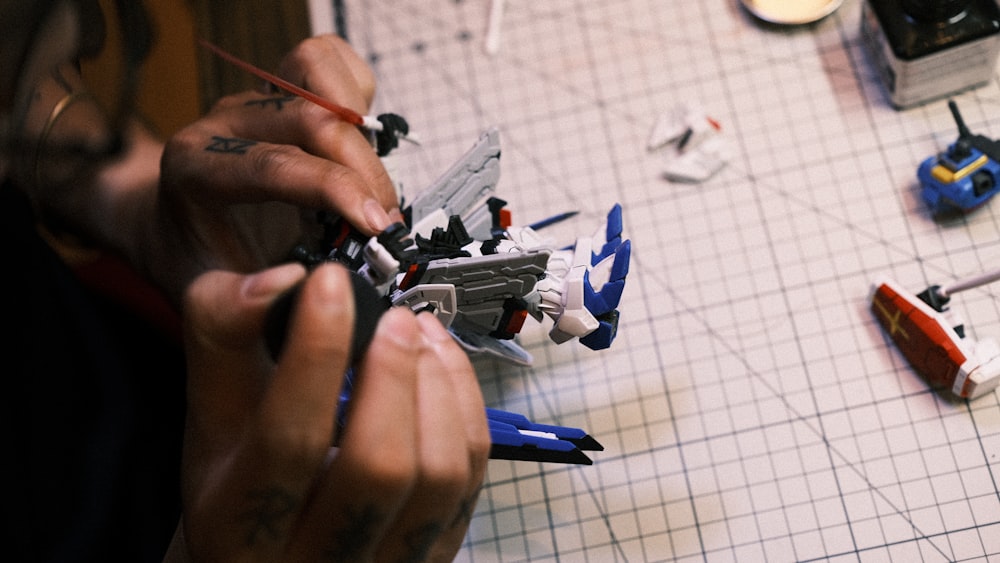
692	142
932	346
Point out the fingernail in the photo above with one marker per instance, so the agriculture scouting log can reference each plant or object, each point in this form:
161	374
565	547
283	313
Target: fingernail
376	216
397	326
432	328
273	281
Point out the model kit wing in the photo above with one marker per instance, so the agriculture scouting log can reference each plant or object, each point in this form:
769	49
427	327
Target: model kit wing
461	191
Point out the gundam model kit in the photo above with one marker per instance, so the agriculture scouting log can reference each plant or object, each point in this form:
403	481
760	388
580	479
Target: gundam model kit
469	266
459	257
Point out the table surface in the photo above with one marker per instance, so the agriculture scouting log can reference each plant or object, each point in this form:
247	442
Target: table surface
751	408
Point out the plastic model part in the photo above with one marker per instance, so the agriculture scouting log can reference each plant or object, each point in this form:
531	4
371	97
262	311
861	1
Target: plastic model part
935	347
461	190
482	276
964	177
692	142
492	43
459	257
514	437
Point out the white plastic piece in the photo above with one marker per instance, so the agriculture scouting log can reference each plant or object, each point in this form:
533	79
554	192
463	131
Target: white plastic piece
669	127
697	163
381	266
983	378
440	297
493	26
693	143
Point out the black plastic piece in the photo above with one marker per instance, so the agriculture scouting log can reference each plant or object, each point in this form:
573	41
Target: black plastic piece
445	243
966	138
932	296
395	239
514	453
393	126
368	309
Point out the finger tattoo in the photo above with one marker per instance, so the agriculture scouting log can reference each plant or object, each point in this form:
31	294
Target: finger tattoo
420	541
270	510
229	145
278	102
350	542
466	509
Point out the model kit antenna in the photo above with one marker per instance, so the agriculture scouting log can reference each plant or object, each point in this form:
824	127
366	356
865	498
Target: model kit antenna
963	131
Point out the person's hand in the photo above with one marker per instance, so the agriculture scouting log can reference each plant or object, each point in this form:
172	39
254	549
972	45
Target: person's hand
230	191
260	482
234	184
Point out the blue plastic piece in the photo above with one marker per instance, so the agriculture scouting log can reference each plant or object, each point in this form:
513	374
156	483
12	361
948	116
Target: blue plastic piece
561	444
607	298
516	437
602	338
975	184
623	257
963	178
613	235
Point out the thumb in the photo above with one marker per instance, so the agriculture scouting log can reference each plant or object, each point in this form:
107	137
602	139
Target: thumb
224	316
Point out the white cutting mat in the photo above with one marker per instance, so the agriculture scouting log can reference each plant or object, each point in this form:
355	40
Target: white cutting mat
751	409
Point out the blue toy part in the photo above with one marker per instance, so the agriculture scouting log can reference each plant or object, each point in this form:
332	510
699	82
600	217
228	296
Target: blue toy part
963	178
515	437
612	235
607	298
603	304
960	180
607	329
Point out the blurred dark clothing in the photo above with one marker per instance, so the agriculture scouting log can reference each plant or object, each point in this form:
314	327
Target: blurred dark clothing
94	401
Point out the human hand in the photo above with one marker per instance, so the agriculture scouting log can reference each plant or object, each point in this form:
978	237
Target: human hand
234	184
259	481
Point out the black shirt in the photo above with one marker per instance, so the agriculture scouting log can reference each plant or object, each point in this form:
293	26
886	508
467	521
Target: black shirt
94	400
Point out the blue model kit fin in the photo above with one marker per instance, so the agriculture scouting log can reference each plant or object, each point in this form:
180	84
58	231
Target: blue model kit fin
517	438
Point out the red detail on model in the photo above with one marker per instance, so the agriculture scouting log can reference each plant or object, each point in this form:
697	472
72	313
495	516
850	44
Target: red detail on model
516	321
920	333
505	219
412	273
